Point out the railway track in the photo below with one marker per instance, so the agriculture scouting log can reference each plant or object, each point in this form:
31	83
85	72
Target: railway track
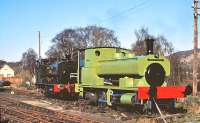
25	92
39	114
16	111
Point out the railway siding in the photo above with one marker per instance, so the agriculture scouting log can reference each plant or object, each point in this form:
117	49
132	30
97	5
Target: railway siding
18	111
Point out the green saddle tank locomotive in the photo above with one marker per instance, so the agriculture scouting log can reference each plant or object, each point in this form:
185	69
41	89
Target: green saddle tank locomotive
116	76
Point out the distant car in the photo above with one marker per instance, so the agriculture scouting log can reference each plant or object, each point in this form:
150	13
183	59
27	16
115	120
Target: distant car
1	83
4	83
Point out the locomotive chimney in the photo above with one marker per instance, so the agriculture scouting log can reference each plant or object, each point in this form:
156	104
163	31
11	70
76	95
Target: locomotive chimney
149	45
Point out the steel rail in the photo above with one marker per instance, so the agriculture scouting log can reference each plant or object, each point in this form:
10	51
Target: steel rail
15	107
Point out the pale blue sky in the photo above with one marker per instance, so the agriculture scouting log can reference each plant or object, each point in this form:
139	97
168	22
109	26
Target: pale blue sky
20	21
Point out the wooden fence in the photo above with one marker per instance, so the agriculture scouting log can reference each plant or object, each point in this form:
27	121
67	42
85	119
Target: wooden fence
13	80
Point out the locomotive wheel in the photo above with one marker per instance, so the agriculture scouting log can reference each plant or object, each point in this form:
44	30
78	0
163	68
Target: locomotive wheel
101	99
172	106
149	107
92	98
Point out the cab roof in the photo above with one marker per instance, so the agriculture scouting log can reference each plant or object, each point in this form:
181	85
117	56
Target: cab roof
104	47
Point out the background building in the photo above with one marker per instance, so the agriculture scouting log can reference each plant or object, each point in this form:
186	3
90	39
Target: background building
6	71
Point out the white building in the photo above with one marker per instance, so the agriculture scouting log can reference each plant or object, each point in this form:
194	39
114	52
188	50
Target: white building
6	71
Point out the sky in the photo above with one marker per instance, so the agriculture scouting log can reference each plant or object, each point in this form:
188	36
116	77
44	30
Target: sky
20	21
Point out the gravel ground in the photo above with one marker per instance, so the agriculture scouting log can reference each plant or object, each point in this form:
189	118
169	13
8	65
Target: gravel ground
110	114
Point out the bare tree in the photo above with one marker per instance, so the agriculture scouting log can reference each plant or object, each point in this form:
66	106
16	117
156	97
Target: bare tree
90	36
2	62
52	52
161	45
100	37
29	60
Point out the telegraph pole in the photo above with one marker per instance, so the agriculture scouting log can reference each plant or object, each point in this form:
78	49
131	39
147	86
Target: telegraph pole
39	43
195	50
